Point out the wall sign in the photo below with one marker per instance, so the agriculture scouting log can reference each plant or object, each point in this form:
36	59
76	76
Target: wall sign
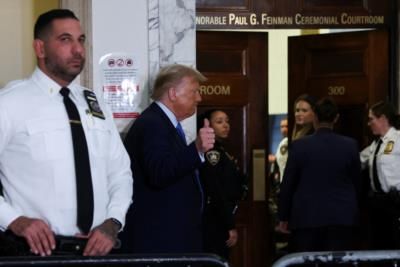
265	14
120	74
265	20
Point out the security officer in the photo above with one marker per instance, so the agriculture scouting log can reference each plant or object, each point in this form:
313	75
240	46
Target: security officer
66	176
382	158
224	186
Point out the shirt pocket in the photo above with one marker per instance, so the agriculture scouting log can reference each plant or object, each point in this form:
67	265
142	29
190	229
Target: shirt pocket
390	162
48	139
98	138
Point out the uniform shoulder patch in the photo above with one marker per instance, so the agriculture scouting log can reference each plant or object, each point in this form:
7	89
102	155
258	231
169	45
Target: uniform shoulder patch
213	156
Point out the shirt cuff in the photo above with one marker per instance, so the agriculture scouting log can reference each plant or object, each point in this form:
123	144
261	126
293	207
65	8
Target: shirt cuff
8	215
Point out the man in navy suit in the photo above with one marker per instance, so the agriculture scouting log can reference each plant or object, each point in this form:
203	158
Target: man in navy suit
166	215
318	198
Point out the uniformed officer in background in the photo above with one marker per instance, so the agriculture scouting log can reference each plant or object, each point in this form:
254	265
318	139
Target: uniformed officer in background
277	164
382	158
224	185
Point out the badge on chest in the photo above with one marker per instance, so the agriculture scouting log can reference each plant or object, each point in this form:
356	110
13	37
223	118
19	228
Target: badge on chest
93	104
389	147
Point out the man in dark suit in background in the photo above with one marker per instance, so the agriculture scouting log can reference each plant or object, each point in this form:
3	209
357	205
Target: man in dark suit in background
318	198
168	195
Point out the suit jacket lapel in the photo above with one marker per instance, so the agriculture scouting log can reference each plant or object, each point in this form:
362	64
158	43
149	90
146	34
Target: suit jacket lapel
154	107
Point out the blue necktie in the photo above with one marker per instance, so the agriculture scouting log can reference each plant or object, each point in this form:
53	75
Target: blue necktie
181	132
182	135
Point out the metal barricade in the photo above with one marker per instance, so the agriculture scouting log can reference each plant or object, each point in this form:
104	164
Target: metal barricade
355	258
167	260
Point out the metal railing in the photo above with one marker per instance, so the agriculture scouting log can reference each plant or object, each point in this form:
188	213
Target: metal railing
391	257
189	260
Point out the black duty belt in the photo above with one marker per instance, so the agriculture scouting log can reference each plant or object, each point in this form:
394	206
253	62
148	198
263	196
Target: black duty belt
12	245
393	196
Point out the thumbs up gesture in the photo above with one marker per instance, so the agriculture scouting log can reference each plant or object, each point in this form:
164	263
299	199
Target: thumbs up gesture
206	138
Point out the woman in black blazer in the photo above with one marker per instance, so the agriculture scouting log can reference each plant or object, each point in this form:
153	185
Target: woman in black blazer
223	186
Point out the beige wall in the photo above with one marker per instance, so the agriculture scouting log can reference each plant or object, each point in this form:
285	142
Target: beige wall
278	70
16	28
40	6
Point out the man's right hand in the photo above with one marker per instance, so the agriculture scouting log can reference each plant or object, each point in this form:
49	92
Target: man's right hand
206	138
37	234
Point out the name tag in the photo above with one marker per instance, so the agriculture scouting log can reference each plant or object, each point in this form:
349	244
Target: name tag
93	104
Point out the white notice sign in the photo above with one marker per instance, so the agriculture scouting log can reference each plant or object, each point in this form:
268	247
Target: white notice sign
121	87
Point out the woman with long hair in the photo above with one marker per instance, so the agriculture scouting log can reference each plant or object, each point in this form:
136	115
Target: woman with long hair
224	185
304	116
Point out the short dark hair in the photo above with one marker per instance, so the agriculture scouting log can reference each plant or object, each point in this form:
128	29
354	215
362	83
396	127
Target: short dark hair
326	110
43	23
205	115
387	109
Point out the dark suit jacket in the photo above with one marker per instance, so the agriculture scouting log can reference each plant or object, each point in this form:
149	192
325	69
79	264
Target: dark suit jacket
165	216
321	181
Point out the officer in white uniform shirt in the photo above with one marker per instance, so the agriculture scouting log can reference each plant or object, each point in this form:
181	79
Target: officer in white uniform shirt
387	160
281	154
383	163
37	168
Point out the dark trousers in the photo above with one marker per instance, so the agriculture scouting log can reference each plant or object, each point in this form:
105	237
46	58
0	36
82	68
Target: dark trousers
12	245
215	234
329	238
214	240
384	219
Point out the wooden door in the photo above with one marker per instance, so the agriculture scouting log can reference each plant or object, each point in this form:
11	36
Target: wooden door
235	65
352	68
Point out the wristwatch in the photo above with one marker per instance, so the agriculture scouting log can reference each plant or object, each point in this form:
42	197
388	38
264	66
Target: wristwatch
118	223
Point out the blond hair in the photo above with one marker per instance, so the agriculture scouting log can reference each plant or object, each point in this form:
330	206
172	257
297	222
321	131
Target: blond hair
170	76
300	131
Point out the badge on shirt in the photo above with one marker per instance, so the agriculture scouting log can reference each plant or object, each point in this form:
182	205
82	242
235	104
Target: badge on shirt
213	157
94	106
389	147
283	149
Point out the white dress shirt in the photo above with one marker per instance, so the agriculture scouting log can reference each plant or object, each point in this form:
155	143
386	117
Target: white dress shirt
37	159
387	160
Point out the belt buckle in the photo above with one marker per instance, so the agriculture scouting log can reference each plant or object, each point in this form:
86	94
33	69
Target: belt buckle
70	245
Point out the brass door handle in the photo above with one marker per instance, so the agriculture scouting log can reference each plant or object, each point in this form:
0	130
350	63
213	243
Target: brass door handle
259	174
